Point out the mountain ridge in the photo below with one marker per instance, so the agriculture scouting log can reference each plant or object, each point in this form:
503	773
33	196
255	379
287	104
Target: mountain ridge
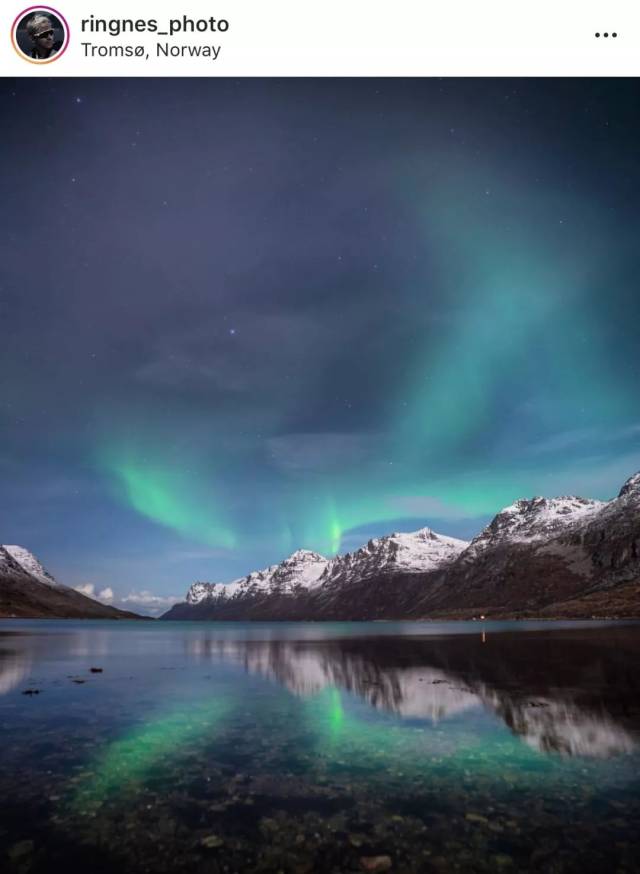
535	556
29	591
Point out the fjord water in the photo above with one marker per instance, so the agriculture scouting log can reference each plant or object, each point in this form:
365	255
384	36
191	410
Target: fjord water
301	747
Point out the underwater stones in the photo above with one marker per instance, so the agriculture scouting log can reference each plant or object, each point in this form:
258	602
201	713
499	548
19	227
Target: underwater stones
375	864
502	860
268	825
21	850
219	807
212	842
476	817
546	850
305	866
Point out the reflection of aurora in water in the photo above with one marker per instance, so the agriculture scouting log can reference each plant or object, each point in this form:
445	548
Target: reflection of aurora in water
127	763
220	745
394	754
551	723
346	734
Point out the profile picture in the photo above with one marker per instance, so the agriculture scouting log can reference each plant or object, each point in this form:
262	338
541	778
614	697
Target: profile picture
40	34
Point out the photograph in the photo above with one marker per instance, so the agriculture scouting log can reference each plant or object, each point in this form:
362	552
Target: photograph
320	473
40	36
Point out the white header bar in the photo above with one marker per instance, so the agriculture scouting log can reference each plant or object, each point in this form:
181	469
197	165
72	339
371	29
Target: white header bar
328	38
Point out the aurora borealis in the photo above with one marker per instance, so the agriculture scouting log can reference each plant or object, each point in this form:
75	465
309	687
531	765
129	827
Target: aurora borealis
242	317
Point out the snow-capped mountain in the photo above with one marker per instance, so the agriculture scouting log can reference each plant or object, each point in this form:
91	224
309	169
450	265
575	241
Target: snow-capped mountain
307	575
28	590
303	570
551	556
565	556
631	487
417	552
7	563
30	564
534	519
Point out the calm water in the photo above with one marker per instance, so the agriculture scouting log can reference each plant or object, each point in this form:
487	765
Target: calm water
301	747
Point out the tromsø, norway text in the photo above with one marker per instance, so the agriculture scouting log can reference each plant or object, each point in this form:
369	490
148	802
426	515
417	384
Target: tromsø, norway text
159	50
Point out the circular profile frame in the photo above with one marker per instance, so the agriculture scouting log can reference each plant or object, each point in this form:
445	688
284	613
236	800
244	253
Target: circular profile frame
14	29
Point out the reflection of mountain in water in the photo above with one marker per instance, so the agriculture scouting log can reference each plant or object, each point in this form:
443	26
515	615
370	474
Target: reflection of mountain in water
572	692
14	667
19	651
558	727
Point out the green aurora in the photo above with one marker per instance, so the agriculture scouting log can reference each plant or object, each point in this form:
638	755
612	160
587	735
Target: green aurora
514	346
347	312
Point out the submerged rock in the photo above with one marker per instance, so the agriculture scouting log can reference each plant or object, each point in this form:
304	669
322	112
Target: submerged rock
375	863
476	817
212	842
19	851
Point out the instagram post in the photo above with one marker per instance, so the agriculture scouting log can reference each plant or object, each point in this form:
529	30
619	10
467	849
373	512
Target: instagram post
319	439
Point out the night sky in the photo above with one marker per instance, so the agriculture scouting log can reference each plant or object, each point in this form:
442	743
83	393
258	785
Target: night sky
241	317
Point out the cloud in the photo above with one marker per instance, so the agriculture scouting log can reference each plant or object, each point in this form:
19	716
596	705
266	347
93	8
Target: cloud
147	602
105	595
142	601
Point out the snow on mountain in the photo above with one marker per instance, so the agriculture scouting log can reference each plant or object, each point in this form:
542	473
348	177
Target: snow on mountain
28	591
416	552
199	591
541	518
30	564
534	519
631	487
6	562
558	553
302	569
